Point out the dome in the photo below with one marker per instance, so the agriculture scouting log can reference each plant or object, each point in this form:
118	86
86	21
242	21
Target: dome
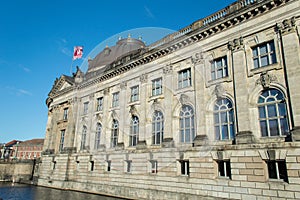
110	54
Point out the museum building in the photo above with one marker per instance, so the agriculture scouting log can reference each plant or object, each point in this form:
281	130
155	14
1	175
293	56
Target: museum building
209	111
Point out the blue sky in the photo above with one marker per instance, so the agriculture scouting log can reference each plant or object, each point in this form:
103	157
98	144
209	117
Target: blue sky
37	39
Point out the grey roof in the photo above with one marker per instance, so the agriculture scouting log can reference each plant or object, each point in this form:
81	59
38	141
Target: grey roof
110	54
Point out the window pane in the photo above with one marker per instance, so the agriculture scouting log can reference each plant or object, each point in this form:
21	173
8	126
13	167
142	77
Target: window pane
272	110
273	127
272	170
263	49
223	117
264	61
219	73
284	126
254	51
224	132
217	132
273	58
232	133
262	112
182	135
282	109
282	170
216	118
187	135
263	128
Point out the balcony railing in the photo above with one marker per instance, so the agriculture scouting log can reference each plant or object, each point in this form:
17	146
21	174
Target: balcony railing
205	21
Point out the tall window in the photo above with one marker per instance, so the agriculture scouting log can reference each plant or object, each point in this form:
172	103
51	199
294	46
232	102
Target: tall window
272	113
65	117
186	124
134	96
219	68
224	119
115	101
98	136
62	140
114	133
83	137
157	128
99	106
157	87
264	54
134	131
184	78
85	108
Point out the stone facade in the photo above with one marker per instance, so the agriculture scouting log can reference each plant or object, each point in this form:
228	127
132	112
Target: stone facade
226	92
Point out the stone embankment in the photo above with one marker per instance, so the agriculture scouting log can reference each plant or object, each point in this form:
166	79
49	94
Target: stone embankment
19	171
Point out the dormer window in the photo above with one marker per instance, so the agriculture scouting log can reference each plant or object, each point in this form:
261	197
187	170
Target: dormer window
107	51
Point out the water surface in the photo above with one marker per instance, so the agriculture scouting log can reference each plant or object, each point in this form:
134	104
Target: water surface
9	191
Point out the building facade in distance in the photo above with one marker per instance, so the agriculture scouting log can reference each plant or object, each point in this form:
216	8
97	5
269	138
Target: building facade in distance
212	110
29	149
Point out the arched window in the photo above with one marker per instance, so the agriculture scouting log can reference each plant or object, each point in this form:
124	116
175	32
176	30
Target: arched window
157	128
114	133
98	135
224	119
272	113
83	137
187	124
134	131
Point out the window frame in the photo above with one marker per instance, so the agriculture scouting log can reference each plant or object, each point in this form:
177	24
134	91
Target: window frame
183	131
62	140
157	128
85	108
182	79
184	167
280	118
157	88
223	107
114	133
134	93
83	138
98	136
215	68
224	168
134	131
268	54
115	99
280	170
65	115
99	104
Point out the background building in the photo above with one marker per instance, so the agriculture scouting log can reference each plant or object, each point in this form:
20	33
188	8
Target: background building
211	110
29	149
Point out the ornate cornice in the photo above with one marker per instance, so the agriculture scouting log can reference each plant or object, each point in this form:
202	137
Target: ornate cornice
287	26
233	15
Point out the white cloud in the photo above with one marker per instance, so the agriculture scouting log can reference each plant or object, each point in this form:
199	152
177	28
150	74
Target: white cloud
149	13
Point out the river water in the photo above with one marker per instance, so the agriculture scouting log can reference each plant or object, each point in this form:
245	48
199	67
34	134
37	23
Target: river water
9	191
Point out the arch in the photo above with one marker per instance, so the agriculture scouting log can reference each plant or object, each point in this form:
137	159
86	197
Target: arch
224	119
98	135
273	112
187	124
157	127
134	131
114	133
83	137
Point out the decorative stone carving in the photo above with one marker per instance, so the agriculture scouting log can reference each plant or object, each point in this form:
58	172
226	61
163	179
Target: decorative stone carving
184	99
168	69
266	79
144	78
197	58
106	91
287	26
132	110
113	114
236	44
219	91
123	85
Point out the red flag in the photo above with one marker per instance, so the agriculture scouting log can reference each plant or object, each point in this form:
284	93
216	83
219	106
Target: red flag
78	50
